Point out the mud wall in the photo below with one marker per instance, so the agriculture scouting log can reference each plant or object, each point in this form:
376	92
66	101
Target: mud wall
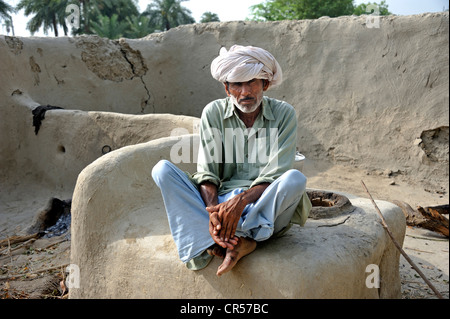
376	98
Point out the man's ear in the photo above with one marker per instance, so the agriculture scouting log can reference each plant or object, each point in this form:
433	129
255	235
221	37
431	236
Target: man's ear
266	85
225	84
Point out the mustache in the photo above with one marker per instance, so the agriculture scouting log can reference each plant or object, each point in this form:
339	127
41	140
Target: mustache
247	99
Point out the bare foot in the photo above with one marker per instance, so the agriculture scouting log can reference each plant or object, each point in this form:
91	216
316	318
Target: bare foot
216	250
244	247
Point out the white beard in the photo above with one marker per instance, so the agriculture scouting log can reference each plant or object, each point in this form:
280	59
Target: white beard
245	109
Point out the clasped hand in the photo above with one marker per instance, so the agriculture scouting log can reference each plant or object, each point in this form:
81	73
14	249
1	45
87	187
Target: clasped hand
223	221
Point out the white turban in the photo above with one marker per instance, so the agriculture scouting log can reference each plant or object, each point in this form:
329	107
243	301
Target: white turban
242	64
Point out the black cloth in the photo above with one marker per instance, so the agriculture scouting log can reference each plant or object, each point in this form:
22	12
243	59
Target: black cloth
39	115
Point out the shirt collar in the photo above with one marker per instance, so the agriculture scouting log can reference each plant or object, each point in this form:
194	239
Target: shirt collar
266	109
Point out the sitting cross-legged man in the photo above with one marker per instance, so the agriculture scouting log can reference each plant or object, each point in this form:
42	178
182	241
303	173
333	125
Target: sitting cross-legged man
245	190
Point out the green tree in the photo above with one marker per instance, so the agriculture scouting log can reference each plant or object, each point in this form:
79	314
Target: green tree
111	18
167	14
94	11
209	17
85	21
5	9
363	8
273	10
122	8
109	27
48	14
139	27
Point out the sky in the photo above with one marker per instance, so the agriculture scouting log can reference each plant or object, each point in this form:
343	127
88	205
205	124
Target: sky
231	10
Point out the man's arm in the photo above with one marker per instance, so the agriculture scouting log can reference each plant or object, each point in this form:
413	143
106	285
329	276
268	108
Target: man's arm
208	191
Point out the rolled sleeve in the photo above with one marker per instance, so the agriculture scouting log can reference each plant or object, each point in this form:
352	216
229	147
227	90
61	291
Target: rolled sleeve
201	177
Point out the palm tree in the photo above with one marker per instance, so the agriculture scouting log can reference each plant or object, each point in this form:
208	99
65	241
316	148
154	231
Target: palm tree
94	11
4	10
123	8
48	14
4	14
209	17
109	27
85	18
139	27
166	14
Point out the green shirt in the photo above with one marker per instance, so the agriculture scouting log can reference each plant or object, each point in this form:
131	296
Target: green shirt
233	156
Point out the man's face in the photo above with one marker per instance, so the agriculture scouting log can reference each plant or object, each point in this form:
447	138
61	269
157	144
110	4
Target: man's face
247	96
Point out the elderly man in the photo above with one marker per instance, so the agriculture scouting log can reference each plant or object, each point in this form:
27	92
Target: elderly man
244	190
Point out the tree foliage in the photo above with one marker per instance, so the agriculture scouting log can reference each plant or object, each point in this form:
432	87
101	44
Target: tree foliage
139	27
5	9
273	10
48	14
209	17
96	16
107	18
109	27
366	8
167	14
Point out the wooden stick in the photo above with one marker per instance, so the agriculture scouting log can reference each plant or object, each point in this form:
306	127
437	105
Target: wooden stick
432	239
16	239
9	250
385	226
28	242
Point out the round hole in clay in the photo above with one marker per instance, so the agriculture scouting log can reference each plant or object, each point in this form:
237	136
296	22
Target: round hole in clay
328	204
61	149
106	149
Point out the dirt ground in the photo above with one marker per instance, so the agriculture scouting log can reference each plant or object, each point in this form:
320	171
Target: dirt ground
36	268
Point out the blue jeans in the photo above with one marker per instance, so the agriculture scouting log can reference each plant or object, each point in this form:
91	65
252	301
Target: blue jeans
189	220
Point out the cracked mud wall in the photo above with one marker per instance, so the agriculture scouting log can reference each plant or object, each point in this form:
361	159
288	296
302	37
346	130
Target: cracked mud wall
363	96
85	73
111	60
115	61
